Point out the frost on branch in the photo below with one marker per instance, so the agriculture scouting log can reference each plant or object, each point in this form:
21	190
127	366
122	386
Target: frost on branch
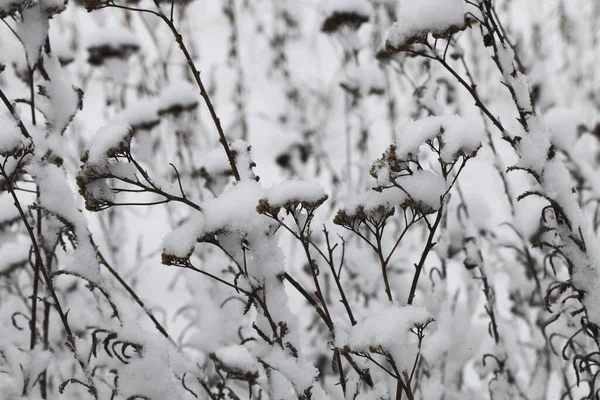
416	19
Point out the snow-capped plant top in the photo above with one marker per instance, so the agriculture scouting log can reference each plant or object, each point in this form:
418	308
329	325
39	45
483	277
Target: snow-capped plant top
108	142
416	19
294	191
457	135
390	330
177	97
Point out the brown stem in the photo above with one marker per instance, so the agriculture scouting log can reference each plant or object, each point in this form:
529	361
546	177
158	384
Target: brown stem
426	250
203	92
12	111
133	294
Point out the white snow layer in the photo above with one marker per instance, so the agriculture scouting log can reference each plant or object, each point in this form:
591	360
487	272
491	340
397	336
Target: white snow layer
294	191
417	18
459	135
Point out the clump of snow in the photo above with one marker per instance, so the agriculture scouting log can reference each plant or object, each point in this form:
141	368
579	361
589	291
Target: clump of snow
424	188
459	136
8	7
237	357
389	330
416	19
364	79
10	135
373	202
294	191
109	140
57	198
180	243
61	99
33	31
177	97
564	126
141	115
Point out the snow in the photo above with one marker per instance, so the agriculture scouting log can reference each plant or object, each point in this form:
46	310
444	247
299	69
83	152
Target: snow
37	362
112	35
372	202
13	253
389	329
424	188
237	357
364	79
57	198
563	124
61	100
108	139
415	19
459	135
361	7
178	96
234	210
180	242
141	115
10	135
10	6
294	191
8	212
33	30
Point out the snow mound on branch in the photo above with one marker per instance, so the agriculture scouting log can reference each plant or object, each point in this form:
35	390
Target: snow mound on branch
460	136
237	357
416	19
424	188
10	135
143	114
389	330
373	202
108	140
564	125
364	79
234	210
177	97
294	191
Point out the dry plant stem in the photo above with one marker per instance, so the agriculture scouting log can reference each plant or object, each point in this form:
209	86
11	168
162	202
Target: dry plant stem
383	264
426	250
11	109
38	259
336	276
133	294
203	92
